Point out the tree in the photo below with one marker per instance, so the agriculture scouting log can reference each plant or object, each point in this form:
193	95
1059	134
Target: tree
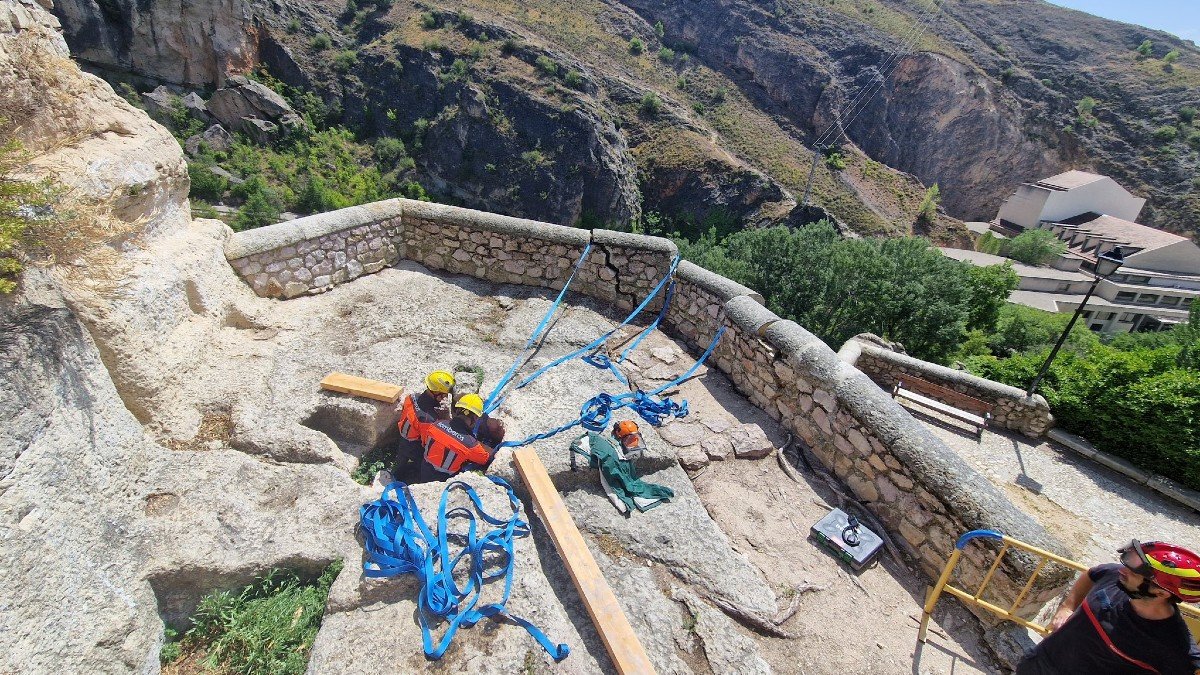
927	211
658	29
1188	336
636	45
1146	48
1034	247
990	287
902	289
1170	58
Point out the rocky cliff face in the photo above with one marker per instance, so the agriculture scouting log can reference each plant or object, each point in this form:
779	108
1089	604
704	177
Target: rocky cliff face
975	96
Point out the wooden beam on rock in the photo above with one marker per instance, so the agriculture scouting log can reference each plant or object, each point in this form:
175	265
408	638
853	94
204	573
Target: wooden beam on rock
361	386
619	639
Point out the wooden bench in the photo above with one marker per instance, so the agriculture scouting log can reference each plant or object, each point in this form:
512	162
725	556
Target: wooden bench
944	400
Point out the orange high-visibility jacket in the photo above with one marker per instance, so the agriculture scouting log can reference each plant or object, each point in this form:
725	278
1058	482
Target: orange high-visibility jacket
411	425
447	450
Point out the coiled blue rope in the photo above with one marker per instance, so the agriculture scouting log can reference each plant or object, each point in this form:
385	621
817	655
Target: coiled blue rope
398	541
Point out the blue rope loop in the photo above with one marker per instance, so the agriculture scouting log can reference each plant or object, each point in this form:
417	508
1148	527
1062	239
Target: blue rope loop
398	541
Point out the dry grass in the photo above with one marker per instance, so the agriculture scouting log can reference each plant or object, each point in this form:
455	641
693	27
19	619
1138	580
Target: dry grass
214	426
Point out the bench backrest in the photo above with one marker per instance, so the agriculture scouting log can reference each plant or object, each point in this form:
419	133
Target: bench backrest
945	394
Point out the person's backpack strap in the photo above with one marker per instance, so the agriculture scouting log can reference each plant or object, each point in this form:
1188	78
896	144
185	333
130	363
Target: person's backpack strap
1108	641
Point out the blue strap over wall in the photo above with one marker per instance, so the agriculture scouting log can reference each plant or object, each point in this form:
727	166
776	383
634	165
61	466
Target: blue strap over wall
398	541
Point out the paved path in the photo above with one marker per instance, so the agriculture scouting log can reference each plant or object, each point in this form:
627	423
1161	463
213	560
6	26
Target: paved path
1091	508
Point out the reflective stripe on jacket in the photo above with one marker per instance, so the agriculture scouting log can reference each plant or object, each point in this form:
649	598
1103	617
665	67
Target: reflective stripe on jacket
447	449
410	424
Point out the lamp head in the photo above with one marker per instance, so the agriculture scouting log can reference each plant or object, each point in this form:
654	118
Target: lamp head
1109	261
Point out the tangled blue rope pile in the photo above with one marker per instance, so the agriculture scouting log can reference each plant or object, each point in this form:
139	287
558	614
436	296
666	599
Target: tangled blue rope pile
398	541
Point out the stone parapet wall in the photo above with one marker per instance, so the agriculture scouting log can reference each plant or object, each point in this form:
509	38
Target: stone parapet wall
923	493
1014	410
314	254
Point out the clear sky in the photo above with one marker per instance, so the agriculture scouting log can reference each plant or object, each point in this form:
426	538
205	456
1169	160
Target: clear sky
1181	17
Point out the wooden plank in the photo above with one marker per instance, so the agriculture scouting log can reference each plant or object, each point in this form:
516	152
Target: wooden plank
361	386
619	639
941	407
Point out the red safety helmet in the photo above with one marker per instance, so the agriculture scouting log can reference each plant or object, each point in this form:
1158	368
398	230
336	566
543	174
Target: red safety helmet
1173	568
627	432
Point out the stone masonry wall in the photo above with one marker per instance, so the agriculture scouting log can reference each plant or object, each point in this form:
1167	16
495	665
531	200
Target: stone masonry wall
314	254
1014	410
924	494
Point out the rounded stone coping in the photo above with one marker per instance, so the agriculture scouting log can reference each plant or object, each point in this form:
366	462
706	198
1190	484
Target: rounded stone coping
292	232
644	242
745	313
723	288
972	498
493	222
990	388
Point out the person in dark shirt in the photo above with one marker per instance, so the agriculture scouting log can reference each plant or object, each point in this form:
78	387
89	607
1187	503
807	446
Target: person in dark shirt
1124	618
426	408
450	446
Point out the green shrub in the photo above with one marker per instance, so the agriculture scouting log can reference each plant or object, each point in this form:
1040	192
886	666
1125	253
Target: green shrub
1034	247
1171	57
1146	48
389	150
22	201
293	25
206	184
651	104
429	20
636	46
372	462
573	79
321	42
659	30
1166	133
1046	82
546	65
345	60
1135	404
534	158
835	161
666	54
258	211
1006	74
1193	139
462	18
419	128
459	71
1187	114
266	628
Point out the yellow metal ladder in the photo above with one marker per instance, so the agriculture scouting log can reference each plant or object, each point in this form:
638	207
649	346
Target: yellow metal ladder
1191	615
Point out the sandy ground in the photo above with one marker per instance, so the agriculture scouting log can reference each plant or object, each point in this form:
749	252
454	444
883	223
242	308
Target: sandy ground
1093	509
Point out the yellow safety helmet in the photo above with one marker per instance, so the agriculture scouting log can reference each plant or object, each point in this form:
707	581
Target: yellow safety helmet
471	403
439	382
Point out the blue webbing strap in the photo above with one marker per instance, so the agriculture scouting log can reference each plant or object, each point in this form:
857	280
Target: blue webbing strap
604	338
595	344
597	411
398	541
491	404
649	329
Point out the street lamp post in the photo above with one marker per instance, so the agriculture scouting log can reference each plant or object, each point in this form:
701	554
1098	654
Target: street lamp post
1106	263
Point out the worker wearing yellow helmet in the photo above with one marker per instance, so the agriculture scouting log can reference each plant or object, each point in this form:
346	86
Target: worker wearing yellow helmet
416	414
450	446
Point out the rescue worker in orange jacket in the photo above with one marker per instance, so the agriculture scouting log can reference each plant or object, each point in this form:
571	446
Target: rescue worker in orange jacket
416	413
450	447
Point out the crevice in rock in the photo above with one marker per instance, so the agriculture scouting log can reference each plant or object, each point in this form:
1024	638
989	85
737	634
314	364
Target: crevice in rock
179	591
356	426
